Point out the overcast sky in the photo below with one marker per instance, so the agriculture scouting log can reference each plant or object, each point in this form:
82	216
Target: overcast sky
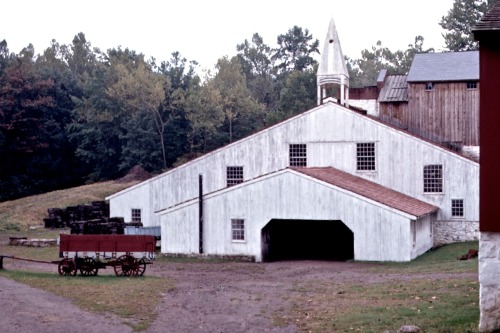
207	30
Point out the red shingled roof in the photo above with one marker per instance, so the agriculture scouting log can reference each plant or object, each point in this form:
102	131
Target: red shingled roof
370	190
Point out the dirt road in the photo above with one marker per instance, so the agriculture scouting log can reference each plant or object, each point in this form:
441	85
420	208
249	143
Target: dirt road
208	297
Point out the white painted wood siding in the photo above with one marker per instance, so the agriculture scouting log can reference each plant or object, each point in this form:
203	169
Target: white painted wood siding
331	133
380	233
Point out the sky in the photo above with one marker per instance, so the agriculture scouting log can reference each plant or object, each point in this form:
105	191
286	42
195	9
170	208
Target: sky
208	30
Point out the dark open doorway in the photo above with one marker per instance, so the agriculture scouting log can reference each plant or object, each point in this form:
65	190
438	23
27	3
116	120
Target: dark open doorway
307	240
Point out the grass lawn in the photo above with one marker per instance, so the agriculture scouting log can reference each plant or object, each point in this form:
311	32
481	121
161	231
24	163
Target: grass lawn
436	292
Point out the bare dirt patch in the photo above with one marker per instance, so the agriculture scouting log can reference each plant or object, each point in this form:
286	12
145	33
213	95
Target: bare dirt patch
209	296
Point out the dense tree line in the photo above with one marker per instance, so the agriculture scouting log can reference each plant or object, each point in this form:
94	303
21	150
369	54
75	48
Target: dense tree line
75	114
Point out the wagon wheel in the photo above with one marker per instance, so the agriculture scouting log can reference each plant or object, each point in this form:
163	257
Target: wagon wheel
88	267
67	267
141	267
125	265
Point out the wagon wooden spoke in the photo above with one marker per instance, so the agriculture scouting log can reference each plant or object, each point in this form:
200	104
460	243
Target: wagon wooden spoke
67	267
141	267
125	266
88	267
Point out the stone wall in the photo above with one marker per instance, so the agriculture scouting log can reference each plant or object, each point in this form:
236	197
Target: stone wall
489	273
446	232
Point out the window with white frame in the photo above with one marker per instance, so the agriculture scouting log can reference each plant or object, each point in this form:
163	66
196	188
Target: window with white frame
471	85
238	229
234	175
136	215
433	178
429	86
298	155
365	156
457	207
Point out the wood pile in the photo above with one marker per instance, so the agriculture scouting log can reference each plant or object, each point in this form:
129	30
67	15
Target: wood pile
90	219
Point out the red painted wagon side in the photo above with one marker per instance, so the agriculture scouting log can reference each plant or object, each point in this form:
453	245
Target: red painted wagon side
127	254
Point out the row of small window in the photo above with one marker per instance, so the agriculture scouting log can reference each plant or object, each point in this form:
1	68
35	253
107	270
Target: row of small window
429	86
365	156
365	153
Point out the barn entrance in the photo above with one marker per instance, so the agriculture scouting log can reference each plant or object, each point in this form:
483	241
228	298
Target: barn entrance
307	240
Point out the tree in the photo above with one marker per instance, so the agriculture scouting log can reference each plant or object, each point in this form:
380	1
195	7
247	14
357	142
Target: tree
183	83
297	95
459	22
96	127
4	56
28	129
295	50
242	112
256	62
364	71
139	90
206	116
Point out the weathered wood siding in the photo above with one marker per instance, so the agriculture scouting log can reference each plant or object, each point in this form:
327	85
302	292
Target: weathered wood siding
394	113
449	113
381	233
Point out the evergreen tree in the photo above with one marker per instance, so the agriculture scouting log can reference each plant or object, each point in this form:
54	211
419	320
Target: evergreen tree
459	22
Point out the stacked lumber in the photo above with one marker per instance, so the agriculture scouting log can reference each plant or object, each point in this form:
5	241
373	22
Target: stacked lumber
90	219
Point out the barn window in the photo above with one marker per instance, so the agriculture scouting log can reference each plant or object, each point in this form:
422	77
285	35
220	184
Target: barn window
238	229
298	155
234	175
472	85
429	86
457	207
433	178
136	215
365	156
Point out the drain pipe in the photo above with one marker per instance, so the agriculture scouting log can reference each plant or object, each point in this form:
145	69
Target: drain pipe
200	221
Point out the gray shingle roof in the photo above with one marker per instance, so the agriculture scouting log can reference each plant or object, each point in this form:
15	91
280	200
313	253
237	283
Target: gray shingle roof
448	66
395	89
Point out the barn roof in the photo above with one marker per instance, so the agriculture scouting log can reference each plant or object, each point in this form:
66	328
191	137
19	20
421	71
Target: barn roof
395	89
448	66
370	190
339	179
490	20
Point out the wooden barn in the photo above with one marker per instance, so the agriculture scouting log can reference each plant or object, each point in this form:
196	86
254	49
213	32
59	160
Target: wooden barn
330	183
437	100
393	100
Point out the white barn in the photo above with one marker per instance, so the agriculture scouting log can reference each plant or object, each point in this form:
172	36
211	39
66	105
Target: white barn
329	183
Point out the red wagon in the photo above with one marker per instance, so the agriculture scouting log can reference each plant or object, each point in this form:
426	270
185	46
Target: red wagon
127	254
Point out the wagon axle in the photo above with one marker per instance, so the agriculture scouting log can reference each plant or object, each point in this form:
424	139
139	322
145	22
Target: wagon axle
125	265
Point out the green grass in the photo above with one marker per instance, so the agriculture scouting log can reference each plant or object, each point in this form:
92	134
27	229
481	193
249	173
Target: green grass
442	259
413	293
133	299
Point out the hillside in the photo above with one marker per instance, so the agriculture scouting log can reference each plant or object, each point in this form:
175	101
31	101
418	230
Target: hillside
23	213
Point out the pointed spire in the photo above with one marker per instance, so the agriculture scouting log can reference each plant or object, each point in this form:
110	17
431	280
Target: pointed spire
332	70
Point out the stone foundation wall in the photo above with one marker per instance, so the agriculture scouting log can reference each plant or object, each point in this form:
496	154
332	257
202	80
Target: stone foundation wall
489	273
446	232
240	258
